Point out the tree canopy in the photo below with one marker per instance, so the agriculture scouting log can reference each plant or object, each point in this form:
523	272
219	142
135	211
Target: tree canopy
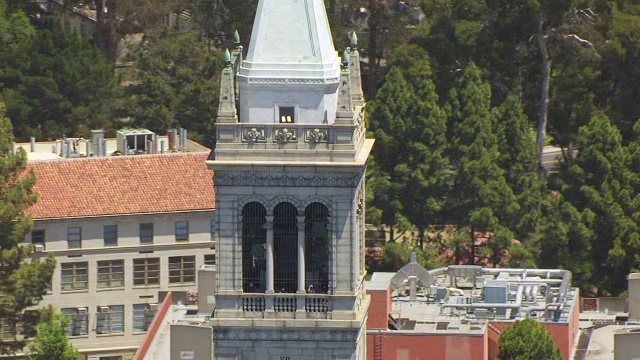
527	340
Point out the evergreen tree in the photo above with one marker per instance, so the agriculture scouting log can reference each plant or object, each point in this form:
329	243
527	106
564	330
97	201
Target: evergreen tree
22	282
527	340
410	156
481	199
601	185
55	82
51	342
517	149
177	85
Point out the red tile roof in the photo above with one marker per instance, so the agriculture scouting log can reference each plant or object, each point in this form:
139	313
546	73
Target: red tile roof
122	185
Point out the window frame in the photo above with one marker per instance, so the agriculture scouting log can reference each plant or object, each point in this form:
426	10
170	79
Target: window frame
74	318
210	259
147	263
41	235
146	233
77	232
182	230
110	235
74	267
112	274
142	315
179	275
111	322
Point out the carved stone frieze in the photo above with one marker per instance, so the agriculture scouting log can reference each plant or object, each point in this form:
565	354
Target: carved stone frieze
284	335
284	135
277	178
316	135
254	134
255	80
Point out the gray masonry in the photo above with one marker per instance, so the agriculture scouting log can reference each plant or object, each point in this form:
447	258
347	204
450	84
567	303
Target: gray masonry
297	139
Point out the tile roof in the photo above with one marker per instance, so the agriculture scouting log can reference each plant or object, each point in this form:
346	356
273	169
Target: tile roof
122	185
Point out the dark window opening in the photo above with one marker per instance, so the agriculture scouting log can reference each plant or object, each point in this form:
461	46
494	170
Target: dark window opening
254	237
287	115
285	248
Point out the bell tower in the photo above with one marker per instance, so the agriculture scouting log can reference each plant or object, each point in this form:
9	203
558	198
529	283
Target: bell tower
289	167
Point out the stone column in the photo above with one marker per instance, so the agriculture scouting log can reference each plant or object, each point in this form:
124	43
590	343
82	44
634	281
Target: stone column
301	263
269	227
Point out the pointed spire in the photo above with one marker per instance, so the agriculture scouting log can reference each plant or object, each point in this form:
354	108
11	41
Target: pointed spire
354	41
227	58
236	39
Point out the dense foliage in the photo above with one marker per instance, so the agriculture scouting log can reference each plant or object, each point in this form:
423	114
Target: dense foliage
22	282
51	342
527	340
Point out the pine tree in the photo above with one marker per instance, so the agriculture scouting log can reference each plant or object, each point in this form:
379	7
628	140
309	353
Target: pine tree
527	340
601	185
517	147
22	282
51	342
481	199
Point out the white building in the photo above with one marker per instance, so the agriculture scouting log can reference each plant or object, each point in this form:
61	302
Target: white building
123	230
289	175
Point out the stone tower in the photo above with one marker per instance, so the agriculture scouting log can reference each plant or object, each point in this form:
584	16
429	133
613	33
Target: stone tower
289	168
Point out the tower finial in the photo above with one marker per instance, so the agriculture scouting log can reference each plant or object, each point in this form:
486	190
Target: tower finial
354	41
345	58
236	39
227	58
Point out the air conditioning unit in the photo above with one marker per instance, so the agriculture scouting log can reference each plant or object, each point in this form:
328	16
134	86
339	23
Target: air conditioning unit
39	248
82	311
153	307
104	309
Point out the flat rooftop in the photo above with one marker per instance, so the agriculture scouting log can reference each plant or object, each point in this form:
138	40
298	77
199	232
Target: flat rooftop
464	298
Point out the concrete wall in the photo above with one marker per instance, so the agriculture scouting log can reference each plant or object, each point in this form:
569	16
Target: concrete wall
289	350
419	346
191	342
93	250
626	345
634	296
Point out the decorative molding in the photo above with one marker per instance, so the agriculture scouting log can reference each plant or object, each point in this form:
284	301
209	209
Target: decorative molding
254	134
254	80
285	335
284	135
291	178
316	135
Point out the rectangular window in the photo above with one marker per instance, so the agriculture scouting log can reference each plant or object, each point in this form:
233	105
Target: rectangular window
110	233
182	231
74	276
78	321
143	315
213	230
182	269
74	237
110	274
110	319
7	329
287	115
37	237
210	259
146	271
146	233
110	358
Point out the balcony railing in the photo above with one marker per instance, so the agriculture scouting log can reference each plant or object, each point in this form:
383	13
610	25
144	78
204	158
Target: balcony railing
285	303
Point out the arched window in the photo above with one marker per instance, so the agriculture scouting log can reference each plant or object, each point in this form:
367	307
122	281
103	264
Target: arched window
254	236
316	226
285	245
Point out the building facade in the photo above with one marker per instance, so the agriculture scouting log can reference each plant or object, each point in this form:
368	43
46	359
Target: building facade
289	169
123	230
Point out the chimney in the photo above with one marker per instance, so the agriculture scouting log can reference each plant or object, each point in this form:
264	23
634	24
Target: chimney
161	146
33	144
125	149
97	138
87	144
67	152
634	296
183	139
150	149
